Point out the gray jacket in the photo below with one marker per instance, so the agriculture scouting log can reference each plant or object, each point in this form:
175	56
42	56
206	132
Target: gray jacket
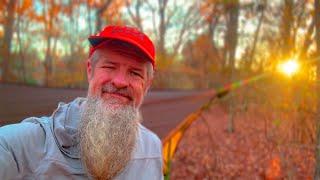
46	148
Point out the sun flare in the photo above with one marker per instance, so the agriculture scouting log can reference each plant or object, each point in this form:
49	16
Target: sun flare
289	67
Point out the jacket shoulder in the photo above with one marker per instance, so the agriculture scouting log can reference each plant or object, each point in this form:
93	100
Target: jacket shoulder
26	133
22	146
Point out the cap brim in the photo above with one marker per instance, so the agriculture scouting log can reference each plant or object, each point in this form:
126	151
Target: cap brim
94	41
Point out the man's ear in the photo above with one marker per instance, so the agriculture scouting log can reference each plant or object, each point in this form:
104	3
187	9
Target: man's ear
89	69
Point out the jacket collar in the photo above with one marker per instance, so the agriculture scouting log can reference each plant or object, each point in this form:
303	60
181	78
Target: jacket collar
66	119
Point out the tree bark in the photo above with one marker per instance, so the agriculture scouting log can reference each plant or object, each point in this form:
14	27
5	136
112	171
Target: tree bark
232	41
48	62
286	30
21	52
255	40
307	40
233	32
48	35
99	14
231	35
162	27
6	46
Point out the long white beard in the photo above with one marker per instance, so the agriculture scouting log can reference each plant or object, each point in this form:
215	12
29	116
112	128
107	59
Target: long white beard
107	137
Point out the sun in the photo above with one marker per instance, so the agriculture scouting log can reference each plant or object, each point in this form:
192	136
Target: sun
289	67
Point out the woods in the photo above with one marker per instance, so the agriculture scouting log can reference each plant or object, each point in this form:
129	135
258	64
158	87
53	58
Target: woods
200	44
247	37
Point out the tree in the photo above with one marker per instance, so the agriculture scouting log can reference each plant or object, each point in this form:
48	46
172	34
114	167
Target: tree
24	11
7	40
231	40
213	12
162	27
135	16
101	8
50	14
287	21
231	36
202	61
261	8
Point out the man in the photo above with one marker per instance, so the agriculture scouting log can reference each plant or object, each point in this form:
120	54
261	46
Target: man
97	137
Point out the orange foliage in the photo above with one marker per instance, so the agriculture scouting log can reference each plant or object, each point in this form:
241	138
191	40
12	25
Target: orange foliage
274	169
209	9
112	15
25	5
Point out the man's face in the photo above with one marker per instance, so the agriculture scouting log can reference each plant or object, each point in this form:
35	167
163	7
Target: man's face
110	118
117	78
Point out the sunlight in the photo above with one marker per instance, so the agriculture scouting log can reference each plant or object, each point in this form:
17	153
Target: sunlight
289	67
82	23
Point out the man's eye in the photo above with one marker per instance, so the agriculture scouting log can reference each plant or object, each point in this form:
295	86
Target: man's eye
108	67
137	74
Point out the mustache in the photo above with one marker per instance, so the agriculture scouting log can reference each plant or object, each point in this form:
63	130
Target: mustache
109	88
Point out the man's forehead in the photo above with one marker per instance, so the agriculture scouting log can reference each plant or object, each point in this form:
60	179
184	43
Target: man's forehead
109	55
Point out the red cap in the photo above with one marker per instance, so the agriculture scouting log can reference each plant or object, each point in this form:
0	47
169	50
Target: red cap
128	34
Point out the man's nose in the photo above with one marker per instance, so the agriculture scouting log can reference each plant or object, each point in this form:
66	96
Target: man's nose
120	80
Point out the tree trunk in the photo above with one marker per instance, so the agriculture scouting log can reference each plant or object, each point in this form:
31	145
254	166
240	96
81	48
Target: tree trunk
6	46
232	40
139	21
21	52
48	62
162	28
308	40
48	35
287	24
99	14
214	19
73	27
233	32
255	40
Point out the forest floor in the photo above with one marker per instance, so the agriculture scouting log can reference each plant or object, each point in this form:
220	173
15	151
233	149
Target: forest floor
252	151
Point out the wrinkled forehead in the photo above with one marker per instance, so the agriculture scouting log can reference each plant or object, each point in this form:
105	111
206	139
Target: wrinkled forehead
124	49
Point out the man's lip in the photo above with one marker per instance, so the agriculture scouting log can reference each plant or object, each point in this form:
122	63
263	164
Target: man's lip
119	95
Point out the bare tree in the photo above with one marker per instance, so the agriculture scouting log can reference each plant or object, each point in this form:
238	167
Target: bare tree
261	8
165	15
135	16
190	20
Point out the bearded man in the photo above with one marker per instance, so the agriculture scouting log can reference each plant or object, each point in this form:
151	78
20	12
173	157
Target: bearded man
98	137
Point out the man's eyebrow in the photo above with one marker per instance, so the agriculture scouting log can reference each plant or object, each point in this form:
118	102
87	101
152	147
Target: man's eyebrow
107	60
